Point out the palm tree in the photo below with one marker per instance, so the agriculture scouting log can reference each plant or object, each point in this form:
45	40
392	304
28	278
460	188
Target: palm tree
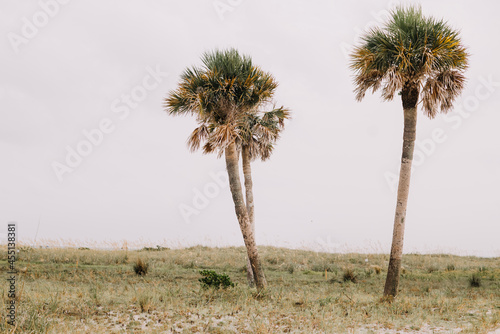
221	95
259	134
418	57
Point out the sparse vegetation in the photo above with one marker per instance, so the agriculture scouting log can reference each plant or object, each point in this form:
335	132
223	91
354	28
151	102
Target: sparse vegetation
157	248
103	295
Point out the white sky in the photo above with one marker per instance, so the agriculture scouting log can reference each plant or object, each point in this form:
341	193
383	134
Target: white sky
325	187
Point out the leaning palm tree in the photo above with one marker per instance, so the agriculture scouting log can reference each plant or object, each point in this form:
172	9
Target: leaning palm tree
419	58
258	137
221	95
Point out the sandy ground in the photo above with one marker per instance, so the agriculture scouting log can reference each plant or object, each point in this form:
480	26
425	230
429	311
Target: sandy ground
201	323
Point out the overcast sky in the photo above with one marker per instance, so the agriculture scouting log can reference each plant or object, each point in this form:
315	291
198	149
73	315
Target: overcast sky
88	78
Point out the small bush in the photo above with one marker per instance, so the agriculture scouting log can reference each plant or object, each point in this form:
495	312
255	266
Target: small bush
141	267
475	281
450	267
213	280
349	275
377	269
290	268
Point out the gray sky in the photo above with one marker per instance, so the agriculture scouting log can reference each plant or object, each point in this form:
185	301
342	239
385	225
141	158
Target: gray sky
71	67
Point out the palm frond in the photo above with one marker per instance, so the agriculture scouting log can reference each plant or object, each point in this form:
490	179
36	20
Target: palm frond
440	92
199	135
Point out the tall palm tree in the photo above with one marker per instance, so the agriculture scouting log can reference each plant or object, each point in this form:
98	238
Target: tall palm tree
417	57
221	94
259	135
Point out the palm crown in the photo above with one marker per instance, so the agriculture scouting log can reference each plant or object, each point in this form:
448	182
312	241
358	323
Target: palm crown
412	51
260	131
226	95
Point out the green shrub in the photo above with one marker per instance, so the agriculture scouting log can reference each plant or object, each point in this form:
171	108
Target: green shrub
213	280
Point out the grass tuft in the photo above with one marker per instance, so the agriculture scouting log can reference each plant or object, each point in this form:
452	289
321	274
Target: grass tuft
349	276
141	267
475	281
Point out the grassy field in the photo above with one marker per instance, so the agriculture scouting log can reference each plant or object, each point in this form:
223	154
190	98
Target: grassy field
96	291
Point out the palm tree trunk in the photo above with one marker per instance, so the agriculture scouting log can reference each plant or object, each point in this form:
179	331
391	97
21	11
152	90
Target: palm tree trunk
242	214
410	98
247	173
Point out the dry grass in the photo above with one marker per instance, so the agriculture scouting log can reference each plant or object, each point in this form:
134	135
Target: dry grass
95	291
